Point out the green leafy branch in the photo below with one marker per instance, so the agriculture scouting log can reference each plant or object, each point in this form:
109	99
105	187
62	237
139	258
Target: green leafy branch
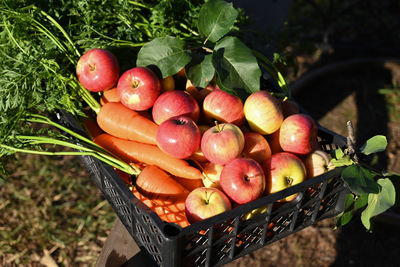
371	191
235	66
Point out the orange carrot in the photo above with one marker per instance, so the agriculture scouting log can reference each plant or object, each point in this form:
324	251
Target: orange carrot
120	121
157	184
110	95
189	184
92	128
172	213
131	151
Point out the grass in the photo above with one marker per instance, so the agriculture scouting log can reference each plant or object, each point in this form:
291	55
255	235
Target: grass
51	210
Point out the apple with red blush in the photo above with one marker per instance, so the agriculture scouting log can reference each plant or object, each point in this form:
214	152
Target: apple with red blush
242	180
282	171
256	147
203	203
223	107
298	134
178	136
97	70
222	143
138	88
174	103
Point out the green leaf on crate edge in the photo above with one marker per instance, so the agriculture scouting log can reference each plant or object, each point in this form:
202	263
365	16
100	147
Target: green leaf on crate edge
236	67
360	180
338	153
167	53
375	144
216	18
344	160
200	70
380	202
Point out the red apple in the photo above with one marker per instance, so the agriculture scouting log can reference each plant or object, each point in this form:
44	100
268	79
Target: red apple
298	134
222	143
178	136
97	70
223	107
256	147
242	180
317	163
283	170
175	103
203	203
138	88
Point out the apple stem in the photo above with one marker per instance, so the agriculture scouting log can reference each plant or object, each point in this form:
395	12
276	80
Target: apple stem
217	125
92	67
289	180
207	198
135	84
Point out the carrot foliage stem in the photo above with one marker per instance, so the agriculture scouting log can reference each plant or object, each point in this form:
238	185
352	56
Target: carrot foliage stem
86	147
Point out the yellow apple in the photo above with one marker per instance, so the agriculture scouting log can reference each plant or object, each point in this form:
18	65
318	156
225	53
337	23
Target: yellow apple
263	112
211	175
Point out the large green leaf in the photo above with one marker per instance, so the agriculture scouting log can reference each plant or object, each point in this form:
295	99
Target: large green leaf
236	67
395	178
360	180
380	202
200	70
351	205
167	53
216	18
375	144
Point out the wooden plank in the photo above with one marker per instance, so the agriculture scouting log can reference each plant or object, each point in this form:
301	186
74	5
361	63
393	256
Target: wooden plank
120	249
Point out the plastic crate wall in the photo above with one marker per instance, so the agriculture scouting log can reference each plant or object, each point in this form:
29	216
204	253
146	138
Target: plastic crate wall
228	236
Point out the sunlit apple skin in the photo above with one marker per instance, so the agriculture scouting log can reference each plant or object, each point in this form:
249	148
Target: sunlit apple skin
223	107
256	147
212	174
242	180
97	70
283	170
263	112
138	88
178	136
298	134
222	143
203	203
317	163
174	103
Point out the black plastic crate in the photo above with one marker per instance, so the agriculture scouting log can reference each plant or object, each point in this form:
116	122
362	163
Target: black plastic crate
227	236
